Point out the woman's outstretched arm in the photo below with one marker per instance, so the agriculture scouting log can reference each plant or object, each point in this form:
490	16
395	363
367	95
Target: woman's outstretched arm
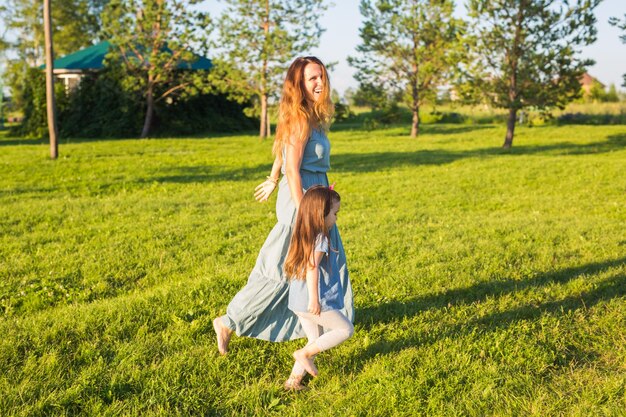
263	191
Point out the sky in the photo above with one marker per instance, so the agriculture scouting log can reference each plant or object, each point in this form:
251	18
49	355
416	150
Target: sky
342	22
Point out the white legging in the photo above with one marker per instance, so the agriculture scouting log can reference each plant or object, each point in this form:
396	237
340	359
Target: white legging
337	328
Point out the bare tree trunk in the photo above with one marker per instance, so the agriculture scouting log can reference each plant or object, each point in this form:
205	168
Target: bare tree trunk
510	128
53	131
415	125
149	113
269	125
513	57
263	128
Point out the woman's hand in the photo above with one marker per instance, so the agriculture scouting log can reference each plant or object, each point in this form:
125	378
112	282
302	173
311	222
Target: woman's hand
314	306
263	191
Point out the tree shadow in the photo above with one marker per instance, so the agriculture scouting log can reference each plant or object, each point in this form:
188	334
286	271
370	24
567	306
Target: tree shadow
427	129
612	143
395	311
371	162
175	175
12	141
447	129
199	174
398	310
22	141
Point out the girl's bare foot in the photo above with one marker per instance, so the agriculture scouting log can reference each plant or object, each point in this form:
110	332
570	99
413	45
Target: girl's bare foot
223	334
294	383
306	361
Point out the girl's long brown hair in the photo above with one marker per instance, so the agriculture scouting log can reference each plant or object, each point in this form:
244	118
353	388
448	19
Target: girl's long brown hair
314	207
297	115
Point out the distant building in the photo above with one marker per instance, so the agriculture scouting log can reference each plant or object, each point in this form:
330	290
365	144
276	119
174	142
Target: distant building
71	68
587	82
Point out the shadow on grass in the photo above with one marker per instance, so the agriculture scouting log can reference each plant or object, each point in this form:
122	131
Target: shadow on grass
197	174
175	175
370	162
425	129
22	141
13	141
395	311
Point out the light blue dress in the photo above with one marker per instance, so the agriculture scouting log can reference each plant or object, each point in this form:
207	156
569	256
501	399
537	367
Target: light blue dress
260	308
329	291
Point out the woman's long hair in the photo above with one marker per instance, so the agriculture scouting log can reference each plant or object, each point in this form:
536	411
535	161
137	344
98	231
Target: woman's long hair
297	115
314	207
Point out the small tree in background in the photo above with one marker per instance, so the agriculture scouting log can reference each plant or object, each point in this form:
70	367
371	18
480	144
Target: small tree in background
368	95
523	53
260	38
152	38
620	24
408	46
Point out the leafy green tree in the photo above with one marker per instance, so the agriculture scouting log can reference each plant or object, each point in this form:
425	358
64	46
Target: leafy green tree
372	96
524	53
596	92
260	38
408	46
620	24
76	25
611	95
153	39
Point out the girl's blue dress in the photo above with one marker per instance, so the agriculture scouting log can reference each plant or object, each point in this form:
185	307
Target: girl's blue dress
260	308
329	291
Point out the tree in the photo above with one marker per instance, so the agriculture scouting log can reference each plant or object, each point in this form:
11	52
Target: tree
76	25
368	95
408	46
50	103
523	53
260	38
153	39
614	21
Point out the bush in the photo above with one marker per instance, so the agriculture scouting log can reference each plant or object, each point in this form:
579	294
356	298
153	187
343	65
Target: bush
33	95
342	112
370	124
101	107
591	119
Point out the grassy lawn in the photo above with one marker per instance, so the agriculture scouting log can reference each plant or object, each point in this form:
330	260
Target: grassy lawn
486	282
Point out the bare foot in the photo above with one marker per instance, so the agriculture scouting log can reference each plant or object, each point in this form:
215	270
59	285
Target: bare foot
294	383
306	361
223	334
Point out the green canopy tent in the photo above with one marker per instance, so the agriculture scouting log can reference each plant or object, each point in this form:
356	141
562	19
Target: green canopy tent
71	68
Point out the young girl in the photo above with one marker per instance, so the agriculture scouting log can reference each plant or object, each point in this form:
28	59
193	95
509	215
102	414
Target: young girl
315	293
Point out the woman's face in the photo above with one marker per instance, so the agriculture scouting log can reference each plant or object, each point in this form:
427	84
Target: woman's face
313	81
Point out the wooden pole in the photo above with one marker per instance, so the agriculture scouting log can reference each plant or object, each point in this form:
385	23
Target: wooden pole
50	102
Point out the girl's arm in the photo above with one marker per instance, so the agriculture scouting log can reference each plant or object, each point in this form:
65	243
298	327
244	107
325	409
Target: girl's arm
312	284
295	150
263	191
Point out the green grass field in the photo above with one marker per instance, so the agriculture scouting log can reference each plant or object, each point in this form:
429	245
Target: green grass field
487	283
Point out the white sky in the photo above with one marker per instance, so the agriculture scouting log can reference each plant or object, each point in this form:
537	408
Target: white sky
342	22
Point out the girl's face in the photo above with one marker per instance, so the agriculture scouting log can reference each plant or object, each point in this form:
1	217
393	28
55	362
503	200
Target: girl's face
331	218
313	81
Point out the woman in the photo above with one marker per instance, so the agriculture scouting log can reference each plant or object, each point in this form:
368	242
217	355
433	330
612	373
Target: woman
260	308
